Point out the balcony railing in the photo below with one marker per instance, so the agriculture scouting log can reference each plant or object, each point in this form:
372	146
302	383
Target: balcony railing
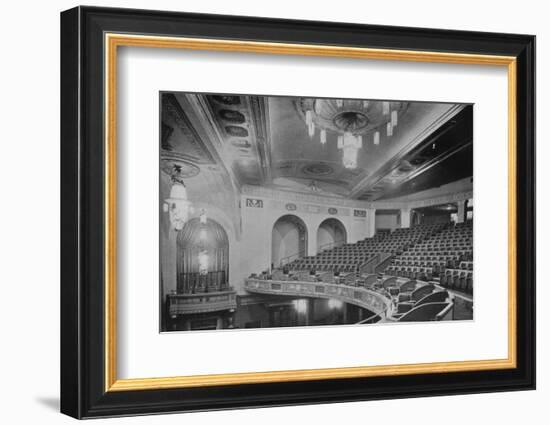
362	297
201	303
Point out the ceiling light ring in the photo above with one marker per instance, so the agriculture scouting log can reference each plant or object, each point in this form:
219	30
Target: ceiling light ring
325	114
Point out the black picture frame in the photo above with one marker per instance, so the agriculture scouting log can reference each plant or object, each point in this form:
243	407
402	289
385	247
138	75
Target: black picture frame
83	392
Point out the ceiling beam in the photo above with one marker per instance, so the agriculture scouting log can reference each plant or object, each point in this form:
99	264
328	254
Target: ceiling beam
259	107
371	180
213	141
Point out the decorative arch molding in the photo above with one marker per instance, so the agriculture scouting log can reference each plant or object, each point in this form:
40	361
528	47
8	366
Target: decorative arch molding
292	217
216	214
304	233
202	257
336	223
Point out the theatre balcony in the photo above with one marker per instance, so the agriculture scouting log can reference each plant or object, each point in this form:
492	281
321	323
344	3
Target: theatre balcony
201	303
377	303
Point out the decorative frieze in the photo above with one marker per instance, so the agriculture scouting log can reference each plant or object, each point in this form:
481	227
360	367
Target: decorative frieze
254	203
317	204
282	195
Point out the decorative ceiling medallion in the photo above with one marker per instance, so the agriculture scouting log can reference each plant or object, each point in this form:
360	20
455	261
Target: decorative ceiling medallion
227	100
318	169
236	131
171	160
350	121
232	116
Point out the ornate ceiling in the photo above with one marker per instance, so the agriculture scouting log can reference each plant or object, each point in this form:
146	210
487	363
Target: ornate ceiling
235	140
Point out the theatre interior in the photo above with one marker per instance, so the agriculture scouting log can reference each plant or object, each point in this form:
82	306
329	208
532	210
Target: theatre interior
300	211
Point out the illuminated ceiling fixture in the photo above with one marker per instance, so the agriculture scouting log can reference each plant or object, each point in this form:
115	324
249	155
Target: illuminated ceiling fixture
177	205
310	124
323	137
351	120
376	138
350	147
300	306
393	118
334	304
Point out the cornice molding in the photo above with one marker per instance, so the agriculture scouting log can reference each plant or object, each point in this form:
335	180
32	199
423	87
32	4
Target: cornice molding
371	180
283	195
280	195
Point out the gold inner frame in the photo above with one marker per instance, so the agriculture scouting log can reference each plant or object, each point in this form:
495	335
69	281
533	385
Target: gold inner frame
113	41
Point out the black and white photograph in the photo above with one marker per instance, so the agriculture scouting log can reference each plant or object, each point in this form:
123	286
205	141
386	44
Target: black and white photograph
306	211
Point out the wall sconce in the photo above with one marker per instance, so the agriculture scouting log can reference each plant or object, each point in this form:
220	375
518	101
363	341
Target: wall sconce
334	304
300	306
177	205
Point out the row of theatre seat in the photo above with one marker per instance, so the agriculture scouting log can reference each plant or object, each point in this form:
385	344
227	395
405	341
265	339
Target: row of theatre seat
458	279
417	301
412	300
419	257
446	255
348	257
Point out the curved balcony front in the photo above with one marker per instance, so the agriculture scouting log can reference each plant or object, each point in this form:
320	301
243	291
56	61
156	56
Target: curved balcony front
362	297
205	302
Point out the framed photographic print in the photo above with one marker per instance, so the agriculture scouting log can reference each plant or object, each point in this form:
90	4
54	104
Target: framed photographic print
261	212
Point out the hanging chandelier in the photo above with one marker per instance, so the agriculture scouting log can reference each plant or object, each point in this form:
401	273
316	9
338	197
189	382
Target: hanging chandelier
350	121
177	205
350	145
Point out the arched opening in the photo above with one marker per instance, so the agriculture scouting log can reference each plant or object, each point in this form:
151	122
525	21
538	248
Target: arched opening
470	209
288	240
387	220
203	257
331	233
435	214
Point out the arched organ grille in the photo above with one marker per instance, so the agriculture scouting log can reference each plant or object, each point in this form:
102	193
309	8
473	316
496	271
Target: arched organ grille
202	257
